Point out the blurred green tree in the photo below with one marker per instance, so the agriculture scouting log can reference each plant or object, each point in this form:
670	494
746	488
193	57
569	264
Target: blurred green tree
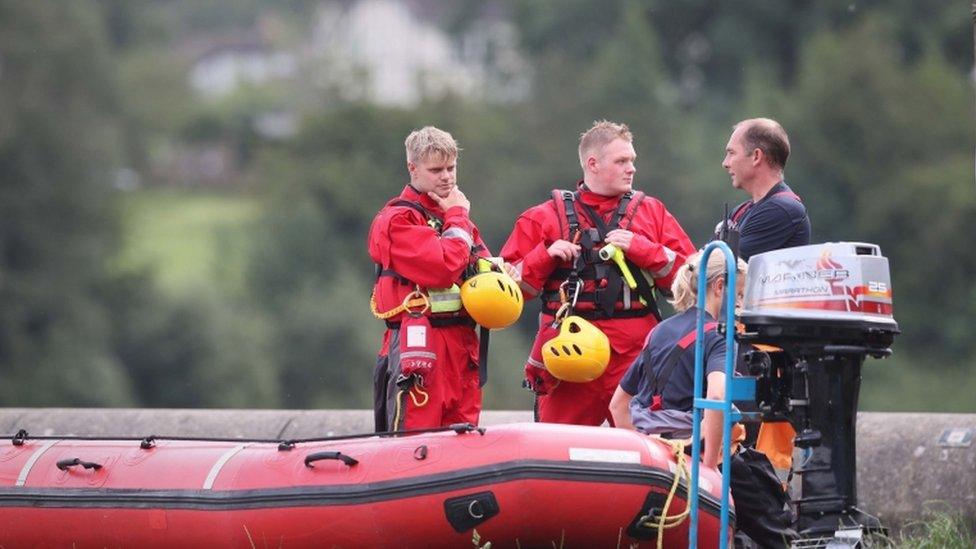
884	155
58	147
199	349
309	269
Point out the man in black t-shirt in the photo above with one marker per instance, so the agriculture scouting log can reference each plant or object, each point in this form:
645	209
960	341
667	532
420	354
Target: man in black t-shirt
773	217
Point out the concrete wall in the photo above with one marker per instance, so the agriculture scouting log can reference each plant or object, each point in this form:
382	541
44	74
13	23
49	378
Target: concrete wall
904	460
908	460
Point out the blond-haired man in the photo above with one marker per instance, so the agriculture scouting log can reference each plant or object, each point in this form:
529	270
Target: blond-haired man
423	241
558	241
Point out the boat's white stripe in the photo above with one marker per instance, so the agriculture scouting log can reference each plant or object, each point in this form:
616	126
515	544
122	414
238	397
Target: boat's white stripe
604	455
219	464
22	478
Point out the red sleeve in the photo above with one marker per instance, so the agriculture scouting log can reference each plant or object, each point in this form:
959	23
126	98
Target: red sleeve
660	245
527	249
480	248
432	260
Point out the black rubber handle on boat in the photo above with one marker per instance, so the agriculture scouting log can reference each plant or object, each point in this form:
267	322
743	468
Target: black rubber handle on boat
20	438
318	456
71	462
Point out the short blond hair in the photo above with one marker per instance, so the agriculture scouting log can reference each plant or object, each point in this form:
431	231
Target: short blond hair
428	142
685	285
600	135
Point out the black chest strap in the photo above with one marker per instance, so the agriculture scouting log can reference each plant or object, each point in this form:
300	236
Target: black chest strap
588	260
434	221
597	220
614	279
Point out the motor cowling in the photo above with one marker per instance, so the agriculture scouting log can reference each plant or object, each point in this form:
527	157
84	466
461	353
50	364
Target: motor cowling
825	307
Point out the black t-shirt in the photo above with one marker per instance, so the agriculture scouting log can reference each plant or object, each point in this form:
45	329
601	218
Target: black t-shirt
777	221
678	391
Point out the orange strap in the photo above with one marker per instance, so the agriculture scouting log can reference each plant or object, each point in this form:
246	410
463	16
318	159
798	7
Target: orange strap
414	299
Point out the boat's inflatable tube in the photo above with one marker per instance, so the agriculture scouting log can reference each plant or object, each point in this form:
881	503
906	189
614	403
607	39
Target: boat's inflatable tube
519	485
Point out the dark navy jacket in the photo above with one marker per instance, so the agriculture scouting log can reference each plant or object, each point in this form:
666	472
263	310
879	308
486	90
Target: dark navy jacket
777	221
678	391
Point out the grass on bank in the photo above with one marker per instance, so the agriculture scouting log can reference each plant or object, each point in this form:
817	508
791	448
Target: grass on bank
939	527
186	238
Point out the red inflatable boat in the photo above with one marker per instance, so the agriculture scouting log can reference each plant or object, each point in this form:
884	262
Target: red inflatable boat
520	485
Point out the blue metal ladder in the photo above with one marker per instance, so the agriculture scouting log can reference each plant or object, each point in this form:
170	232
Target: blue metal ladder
735	389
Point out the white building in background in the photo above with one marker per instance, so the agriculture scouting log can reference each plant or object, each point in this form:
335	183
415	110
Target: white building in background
385	52
227	65
389	52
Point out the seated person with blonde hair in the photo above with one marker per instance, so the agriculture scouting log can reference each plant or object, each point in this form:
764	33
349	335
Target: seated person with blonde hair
656	396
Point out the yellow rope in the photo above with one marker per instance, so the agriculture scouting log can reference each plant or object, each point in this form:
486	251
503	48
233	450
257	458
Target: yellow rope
414	397
399	407
399	403
680	471
414	299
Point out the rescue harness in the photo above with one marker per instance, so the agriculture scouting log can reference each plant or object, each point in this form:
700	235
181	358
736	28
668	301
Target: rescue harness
608	288
437	319
418	299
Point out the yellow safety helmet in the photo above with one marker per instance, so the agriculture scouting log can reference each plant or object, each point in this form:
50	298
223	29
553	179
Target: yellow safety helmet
492	299
579	353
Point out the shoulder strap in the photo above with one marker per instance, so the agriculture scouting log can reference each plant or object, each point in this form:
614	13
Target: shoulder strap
635	202
663	374
618	215
563	201
621	212
789	194
434	221
741	210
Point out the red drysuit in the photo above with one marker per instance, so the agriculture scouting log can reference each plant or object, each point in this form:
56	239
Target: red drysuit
416	244
659	247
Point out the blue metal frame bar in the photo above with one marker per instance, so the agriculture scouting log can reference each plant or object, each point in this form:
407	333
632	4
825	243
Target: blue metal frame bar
733	390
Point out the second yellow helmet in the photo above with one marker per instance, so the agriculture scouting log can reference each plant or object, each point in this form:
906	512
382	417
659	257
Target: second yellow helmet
580	352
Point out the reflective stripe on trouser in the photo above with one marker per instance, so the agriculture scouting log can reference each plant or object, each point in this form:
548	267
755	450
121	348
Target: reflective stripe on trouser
451	395
585	403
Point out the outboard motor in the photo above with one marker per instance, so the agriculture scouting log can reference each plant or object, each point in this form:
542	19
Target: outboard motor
827	306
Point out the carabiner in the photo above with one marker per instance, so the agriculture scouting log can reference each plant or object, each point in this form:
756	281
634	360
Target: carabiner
576	292
562	313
